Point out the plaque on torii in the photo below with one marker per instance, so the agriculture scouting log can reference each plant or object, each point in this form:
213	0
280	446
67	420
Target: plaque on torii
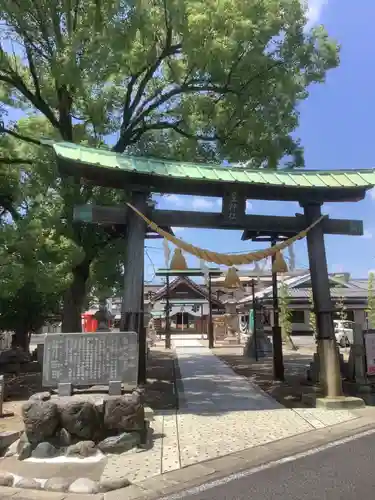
234	207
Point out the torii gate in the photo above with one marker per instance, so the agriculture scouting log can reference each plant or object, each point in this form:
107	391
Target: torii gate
143	176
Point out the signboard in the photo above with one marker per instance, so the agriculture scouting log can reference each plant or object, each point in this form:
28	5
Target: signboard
370	352
87	359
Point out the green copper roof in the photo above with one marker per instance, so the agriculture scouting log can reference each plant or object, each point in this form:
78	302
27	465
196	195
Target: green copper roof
103	159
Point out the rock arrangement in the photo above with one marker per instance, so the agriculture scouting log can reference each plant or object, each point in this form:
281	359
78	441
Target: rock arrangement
62	484
80	425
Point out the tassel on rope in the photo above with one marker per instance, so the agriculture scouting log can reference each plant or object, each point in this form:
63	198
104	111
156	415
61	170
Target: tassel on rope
231	279
279	264
178	262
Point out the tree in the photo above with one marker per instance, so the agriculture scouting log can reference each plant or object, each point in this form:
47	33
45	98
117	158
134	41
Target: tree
183	79
312	315
35	268
371	300
286	316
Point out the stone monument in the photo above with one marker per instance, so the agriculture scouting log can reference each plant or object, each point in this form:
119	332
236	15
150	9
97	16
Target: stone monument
83	424
91	359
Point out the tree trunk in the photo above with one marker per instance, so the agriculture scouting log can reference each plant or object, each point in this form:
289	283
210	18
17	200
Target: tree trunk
21	338
74	298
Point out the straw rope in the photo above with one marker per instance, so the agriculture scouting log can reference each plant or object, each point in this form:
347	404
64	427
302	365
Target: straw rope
222	258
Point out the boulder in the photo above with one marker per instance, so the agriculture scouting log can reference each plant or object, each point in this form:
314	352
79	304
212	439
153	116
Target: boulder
81	419
40	396
118	444
115	483
7	438
12	450
28	483
138	395
41	419
24	447
57	484
84	485
81	449
45	450
6	479
123	413
63	438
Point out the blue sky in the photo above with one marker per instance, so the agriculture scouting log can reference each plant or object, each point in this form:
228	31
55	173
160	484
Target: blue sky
337	131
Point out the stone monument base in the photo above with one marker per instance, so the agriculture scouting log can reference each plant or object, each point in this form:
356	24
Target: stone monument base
231	340
81	425
259	346
337	403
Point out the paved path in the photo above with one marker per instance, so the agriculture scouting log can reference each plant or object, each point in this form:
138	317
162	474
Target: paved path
210	386
224	413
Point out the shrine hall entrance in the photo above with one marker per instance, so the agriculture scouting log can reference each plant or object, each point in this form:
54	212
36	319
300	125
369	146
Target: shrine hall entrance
182	320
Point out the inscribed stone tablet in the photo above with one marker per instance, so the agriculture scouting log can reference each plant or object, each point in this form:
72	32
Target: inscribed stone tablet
87	359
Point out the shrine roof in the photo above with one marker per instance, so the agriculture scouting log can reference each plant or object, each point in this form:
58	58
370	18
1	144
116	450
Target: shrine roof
116	170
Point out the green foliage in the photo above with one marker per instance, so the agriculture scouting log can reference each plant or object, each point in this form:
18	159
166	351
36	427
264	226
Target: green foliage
371	299
211	79
285	315
183	79
36	263
312	315
285	311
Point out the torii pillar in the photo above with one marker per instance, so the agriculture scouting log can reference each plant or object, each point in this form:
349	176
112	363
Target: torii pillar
132	309
330	376
328	354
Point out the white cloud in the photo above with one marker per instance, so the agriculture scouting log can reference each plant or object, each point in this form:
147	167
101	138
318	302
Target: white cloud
199	203
249	205
314	11
367	234
174	199
371	192
178	229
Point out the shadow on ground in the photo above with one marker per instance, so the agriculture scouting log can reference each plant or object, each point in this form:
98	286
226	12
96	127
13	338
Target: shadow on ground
288	393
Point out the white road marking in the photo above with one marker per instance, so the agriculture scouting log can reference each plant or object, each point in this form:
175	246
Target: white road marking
246	473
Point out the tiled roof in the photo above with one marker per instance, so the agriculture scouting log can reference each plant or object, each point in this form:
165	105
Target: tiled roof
201	290
215	173
350	290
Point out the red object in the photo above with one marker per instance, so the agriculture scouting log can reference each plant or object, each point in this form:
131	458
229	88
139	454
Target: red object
89	323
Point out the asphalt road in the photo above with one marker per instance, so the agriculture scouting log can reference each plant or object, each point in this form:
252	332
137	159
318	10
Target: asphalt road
344	472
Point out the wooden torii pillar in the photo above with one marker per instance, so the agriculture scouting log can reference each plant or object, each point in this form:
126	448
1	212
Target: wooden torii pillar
327	350
132	308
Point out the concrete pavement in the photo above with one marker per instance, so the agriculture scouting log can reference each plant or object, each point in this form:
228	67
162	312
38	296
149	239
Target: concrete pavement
343	471
223	413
